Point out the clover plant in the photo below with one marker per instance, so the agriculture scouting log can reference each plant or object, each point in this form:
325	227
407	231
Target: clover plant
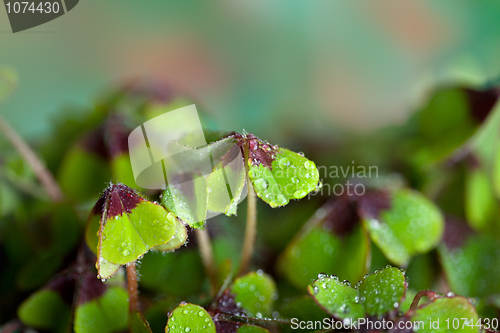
83	248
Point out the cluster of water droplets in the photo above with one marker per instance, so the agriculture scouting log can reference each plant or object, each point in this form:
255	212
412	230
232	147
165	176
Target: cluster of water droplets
262	301
379	292
189	316
384	288
323	282
266	187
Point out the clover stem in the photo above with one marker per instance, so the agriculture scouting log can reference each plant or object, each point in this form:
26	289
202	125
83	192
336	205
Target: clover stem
42	173
133	294
251	226
207	257
430	294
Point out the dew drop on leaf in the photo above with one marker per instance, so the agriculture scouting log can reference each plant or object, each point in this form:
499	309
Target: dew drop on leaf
309	165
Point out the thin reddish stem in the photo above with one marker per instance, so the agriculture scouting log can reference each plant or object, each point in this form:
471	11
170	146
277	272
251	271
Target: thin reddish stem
430	294
207	256
42	173
251	224
132	286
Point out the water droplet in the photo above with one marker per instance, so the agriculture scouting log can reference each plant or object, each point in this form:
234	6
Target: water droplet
185	311
126	252
253	145
315	290
171	217
301	154
281	200
299	194
309	165
188	329
261	184
284	162
201	313
344	308
124	244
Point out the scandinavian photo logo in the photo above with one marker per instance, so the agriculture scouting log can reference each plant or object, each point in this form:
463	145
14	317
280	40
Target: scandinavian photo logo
170	152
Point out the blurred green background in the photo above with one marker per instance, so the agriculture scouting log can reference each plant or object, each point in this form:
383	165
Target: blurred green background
309	76
280	69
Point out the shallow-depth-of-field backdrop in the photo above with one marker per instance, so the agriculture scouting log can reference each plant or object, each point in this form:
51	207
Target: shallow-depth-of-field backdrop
388	111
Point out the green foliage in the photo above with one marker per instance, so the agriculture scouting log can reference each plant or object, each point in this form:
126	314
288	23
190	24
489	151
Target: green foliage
129	227
406	224
454	314
187	318
255	293
290	176
323	247
107	313
376	295
469	268
182	269
139	324
481	206
83	174
192	209
46	310
448	163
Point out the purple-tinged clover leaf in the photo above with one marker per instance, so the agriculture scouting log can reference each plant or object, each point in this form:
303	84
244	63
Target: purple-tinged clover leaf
278	175
128	226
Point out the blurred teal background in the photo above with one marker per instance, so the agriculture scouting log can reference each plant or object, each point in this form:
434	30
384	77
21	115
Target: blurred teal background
275	68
